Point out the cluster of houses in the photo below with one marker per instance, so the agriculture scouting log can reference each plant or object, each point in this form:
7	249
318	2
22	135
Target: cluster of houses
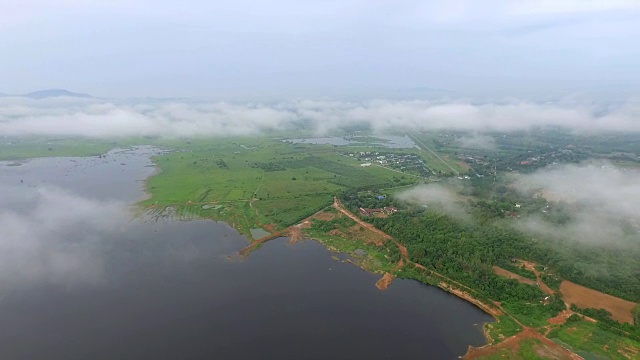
472	159
399	161
388	210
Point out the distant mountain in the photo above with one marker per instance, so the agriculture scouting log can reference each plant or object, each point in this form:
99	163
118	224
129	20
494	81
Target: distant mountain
50	93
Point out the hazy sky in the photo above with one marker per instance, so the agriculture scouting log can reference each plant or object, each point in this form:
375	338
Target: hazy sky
301	48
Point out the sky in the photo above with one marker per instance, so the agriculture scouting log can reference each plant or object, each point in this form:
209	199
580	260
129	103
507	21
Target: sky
314	48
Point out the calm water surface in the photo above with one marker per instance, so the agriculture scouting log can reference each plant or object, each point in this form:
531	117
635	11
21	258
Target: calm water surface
388	141
169	290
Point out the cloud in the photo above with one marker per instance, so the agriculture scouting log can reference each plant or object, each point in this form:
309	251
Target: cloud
438	196
598	196
52	236
97	118
476	141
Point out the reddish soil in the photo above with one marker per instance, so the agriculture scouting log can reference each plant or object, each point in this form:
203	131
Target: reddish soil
583	297
464	165
304	225
560	318
385	281
366	225
339	207
326	216
295	234
270	227
506	273
548	349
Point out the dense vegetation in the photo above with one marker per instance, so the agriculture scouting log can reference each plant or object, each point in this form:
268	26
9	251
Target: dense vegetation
606	322
465	254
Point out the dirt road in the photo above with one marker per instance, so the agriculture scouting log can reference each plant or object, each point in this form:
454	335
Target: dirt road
338	206
531	266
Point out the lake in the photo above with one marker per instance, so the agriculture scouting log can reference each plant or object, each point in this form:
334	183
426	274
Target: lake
82	278
388	141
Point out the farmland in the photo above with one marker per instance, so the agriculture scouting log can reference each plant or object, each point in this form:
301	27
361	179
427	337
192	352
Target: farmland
258	181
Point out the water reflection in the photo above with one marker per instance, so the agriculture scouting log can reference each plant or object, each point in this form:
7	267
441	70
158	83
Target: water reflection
109	287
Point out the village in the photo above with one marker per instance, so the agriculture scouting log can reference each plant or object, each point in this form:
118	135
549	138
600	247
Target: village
404	162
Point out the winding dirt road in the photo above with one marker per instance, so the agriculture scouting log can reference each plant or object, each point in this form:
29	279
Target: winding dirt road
338	206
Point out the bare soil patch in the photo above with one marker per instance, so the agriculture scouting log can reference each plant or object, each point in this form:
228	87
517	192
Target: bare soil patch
385	281
548	349
270	227
326	215
464	165
560	318
583	297
508	274
295	234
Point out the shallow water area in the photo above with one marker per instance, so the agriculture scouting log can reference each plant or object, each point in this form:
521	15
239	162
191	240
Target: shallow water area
125	287
388	141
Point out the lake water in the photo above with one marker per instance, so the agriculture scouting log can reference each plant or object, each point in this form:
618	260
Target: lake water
388	141
81	279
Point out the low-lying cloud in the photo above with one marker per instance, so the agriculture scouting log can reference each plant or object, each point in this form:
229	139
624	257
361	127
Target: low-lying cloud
55	237
599	197
476	141
99	118
438	196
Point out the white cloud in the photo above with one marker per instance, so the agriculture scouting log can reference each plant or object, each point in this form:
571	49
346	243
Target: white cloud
476	141
52	236
599	195
111	119
440	197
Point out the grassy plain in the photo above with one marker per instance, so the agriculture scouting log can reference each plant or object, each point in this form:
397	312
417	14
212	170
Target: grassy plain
262	181
31	147
591	342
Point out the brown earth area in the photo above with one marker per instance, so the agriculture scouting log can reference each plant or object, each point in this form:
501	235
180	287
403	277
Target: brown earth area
464	165
508	274
560	318
326	215
384	281
295	234
583	297
548	349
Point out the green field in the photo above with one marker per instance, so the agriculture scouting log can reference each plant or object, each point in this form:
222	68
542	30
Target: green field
259	181
30	147
590	341
503	328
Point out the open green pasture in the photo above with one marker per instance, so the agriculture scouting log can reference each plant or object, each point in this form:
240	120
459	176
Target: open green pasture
31	147
263	180
594	342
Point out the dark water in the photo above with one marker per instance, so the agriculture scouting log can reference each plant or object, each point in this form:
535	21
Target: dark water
169	291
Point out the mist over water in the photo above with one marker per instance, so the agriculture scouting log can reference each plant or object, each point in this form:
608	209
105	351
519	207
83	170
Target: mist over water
80	278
